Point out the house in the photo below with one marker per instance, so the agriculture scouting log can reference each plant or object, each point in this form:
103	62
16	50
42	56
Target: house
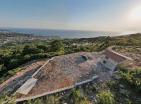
111	59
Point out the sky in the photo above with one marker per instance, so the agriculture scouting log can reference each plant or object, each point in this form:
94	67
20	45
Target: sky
103	15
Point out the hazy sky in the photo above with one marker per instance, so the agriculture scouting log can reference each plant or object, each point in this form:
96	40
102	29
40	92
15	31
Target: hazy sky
109	15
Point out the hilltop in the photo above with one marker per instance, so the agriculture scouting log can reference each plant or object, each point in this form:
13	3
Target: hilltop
15	55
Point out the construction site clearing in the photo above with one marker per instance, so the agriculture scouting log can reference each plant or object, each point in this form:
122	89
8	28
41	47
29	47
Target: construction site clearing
64	72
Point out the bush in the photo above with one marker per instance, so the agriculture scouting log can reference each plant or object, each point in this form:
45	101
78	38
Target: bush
31	50
132	78
57	46
4	99
78	97
105	97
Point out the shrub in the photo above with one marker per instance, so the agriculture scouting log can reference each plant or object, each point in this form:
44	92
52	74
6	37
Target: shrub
4	99
57	46
105	97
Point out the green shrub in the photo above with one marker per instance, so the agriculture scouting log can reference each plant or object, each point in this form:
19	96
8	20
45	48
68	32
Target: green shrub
105	97
4	99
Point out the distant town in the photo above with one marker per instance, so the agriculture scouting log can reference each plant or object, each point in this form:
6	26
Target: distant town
8	37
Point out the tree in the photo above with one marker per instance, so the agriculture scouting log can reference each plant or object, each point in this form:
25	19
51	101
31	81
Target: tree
43	47
2	67
104	44
31	50
57	46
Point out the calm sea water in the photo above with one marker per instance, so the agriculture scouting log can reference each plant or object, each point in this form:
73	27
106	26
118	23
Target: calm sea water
63	33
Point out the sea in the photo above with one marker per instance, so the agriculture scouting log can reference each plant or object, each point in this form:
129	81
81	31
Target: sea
70	34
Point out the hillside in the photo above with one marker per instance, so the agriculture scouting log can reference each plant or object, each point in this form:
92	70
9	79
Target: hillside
119	90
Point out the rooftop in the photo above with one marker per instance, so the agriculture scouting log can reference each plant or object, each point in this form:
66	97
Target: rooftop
27	86
116	56
61	72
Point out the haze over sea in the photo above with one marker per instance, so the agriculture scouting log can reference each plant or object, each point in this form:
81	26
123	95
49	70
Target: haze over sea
63	33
